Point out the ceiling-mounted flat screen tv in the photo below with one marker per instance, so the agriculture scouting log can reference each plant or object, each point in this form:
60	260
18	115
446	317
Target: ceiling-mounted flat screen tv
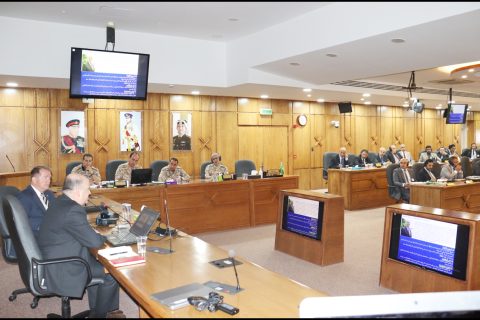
457	113
108	74
431	244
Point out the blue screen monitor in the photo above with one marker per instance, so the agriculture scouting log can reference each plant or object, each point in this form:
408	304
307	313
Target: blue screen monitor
303	216
430	244
457	113
108	74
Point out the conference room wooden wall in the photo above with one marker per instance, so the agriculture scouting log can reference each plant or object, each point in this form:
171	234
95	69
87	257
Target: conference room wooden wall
232	126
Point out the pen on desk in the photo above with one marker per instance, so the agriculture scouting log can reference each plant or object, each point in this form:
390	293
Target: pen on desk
113	254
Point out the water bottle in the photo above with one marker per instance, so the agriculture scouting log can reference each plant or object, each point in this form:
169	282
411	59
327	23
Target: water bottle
261	172
282	169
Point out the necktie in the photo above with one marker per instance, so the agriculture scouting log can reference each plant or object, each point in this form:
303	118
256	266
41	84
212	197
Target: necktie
44	199
342	161
407	176
474	155
404	154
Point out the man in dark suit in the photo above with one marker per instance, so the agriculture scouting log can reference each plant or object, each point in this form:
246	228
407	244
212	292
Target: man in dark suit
340	160
363	158
426	173
471	153
65	232
392	154
381	157
36	198
402	178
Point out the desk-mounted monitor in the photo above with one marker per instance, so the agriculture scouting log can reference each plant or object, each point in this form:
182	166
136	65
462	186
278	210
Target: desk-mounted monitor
302	216
141	176
108	74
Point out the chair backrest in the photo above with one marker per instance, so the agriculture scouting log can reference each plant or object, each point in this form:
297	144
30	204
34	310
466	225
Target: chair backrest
71	165
393	190
475	167
156	167
437	169
244	166
202	169
417	167
111	168
8	251
327	157
464	150
352	159
372	156
466	166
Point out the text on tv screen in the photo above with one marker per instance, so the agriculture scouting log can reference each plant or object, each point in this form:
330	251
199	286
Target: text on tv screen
303	216
457	113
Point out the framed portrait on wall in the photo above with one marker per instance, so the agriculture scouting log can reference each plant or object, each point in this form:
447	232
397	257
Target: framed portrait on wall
72	132
182	131
130	131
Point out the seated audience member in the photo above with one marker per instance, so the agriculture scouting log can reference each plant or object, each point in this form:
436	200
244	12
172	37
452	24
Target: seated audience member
215	168
381	157
403	153
471	153
36	198
363	158
65	232
402	178
452	170
173	172
426	173
340	160
86	169
124	171
442	154
452	151
428	154
392	154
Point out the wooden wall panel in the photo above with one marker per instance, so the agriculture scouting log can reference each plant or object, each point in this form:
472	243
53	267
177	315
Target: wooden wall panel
250	144
318	140
302	145
226	104
275	147
227	133
12	141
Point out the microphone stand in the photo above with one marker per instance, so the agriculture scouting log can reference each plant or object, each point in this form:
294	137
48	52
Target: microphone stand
162	250
236	274
6	155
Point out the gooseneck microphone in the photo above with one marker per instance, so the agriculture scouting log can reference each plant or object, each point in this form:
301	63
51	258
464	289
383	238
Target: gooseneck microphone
6	155
231	254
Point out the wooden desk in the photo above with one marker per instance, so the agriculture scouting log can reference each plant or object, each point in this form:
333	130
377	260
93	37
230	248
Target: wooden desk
361	189
19	179
202	206
456	196
265	294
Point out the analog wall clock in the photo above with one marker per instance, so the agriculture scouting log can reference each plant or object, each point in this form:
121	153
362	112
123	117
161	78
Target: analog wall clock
302	120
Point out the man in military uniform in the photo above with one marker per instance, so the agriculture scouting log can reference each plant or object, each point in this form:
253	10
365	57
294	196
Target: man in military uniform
215	169
86	169
72	142
124	171
182	141
173	173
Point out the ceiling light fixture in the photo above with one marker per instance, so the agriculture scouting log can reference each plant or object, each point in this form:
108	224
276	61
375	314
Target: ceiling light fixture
331	55
320	100
397	40
366	95
12	84
195	92
367	102
295	64
307	90
264	96
233	19
309	95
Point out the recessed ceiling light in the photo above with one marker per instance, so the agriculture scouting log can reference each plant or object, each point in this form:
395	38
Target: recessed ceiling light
264	96
471	70
295	64
438	107
232	19
367	102
307	90
464	76
331	55
195	92
12	84
243	100
361	99
309	95
366	95
171	85
397	40
320	100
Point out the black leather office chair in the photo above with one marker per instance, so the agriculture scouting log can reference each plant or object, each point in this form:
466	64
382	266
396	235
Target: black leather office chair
372	156
203	166
476	167
393	190
8	250
71	165
111	168
327	157
416	168
466	166
437	169
156	167
30	262
352	160
244	166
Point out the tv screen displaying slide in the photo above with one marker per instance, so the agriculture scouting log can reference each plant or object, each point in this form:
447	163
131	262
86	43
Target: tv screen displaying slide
457	113
108	74
303	216
431	244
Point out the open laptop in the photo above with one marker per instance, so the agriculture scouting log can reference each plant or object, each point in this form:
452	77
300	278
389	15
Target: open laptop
178	297
141	176
141	227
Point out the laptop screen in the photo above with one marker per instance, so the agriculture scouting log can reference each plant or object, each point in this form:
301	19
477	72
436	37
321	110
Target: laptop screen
144	222
141	176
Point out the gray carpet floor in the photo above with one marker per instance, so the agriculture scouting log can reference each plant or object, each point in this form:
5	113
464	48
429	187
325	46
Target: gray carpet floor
357	275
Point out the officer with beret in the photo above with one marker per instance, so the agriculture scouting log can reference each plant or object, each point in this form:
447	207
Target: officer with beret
72	142
182	141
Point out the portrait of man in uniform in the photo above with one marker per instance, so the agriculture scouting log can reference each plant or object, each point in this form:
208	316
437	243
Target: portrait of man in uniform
182	131
72	132
130	131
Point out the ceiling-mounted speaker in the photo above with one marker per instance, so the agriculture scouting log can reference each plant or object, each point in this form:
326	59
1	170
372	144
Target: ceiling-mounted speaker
345	107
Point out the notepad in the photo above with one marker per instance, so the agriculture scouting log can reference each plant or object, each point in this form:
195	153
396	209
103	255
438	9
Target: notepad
121	256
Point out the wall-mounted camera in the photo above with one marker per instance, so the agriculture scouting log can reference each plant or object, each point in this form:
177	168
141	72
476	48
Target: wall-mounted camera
335	123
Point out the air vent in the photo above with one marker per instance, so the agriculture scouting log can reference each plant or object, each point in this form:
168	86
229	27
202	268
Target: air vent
452	81
382	86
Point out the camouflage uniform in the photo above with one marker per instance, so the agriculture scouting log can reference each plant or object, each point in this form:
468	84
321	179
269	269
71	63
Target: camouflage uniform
90	174
124	171
182	143
166	174
212	171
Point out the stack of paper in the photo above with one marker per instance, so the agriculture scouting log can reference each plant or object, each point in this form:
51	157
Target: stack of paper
121	256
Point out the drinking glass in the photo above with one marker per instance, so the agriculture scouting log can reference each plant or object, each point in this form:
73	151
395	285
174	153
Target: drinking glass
142	245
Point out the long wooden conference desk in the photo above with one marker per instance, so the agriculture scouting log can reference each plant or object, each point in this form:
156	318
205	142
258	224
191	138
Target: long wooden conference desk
266	294
201	206
457	195
361	188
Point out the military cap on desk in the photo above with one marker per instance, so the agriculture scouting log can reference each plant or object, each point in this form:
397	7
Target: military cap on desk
73	122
